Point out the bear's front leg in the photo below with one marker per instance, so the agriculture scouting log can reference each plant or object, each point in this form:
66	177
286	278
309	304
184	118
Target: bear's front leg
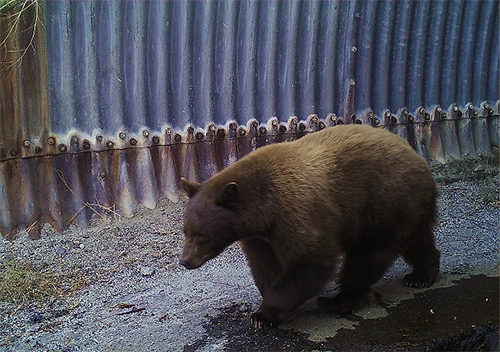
298	283
267	317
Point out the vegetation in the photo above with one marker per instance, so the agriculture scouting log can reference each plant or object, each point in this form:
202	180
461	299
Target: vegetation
7	4
23	283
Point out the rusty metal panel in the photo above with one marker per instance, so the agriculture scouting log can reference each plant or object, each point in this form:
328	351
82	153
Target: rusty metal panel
113	101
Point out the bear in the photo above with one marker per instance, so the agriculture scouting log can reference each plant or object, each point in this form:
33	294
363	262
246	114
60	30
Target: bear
352	193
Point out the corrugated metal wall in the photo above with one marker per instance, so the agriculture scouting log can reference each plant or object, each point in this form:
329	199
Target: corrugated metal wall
114	100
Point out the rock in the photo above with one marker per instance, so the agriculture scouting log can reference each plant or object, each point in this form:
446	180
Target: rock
147	271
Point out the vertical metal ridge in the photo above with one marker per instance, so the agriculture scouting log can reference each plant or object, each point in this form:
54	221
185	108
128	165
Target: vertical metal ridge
287	47
266	56
158	24
245	62
161	89
469	30
400	43
451	52
494	61
108	47
307	68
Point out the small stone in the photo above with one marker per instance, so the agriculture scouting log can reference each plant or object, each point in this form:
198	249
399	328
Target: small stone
60	250
146	271
82	246
36	317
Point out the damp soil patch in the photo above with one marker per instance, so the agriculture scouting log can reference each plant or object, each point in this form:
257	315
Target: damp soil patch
435	319
462	317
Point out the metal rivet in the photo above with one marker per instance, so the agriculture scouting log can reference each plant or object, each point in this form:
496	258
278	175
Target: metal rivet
274	123
233	126
352	83
74	139
475	113
51	141
177	138
221	133
427	116
421	111
255	124
443	116
387	114
110	144
455	108
63	148
405	112
26	144
102	175
122	135
86	144
376	121
302	127
262	130
133	141
241	132
145	133
357	15
190	130
156	140
99	138
282	129
199	136
470	106
295	121
38	150
439	110
354	49
411	119
168	131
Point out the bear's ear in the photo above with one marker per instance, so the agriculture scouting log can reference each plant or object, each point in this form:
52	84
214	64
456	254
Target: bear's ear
191	188
230	196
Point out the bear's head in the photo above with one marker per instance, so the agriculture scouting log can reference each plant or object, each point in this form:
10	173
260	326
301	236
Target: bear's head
210	221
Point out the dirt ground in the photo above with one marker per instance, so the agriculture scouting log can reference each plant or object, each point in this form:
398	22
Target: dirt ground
121	288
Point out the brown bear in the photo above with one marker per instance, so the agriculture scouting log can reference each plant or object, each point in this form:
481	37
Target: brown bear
354	191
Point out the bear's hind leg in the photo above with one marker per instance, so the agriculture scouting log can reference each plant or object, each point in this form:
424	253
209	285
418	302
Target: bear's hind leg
423	256
363	266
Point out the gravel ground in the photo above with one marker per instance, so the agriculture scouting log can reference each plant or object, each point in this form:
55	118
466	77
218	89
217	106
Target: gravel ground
132	295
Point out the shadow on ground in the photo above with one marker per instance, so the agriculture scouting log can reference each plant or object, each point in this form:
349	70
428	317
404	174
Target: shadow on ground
462	317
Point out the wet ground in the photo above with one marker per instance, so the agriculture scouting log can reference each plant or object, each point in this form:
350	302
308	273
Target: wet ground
463	317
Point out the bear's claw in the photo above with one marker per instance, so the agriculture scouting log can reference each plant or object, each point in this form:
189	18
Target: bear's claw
259	322
414	280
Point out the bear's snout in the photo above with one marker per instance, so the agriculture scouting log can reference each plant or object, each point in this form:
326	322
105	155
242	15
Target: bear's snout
186	263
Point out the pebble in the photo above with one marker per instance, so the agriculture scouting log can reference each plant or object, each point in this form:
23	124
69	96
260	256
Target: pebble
147	271
60	250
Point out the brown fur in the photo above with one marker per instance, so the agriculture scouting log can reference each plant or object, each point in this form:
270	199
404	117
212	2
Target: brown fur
296	207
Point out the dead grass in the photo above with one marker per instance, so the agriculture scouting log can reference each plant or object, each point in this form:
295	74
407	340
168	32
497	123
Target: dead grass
13	11
23	283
